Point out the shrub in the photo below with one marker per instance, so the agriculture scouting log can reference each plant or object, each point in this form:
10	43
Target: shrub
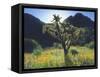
36	48
57	45
74	52
90	45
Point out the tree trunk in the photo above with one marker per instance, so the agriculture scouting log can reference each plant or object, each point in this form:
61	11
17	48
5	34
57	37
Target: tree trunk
65	53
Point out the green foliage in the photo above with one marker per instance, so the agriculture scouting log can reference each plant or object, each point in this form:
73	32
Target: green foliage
85	37
37	52
90	45
57	45
74	52
37	49
62	31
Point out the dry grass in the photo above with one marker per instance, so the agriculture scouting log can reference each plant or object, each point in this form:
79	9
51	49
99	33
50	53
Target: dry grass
54	57
48	58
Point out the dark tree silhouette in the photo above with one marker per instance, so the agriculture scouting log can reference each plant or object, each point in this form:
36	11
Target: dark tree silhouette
64	32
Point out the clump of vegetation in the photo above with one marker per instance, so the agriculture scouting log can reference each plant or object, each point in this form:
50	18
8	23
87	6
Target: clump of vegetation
57	45
90	45
74	52
37	49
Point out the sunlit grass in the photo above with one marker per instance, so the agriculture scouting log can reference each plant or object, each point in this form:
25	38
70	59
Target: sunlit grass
48	58
84	57
54	57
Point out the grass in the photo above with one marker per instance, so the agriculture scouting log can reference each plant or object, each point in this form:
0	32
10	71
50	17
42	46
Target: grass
84	57
54	57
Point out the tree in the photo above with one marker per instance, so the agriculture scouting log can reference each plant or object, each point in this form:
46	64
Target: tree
64	32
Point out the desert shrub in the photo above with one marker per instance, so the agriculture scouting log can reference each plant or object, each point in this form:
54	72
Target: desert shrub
74	52
57	45
90	45
36	48
37	52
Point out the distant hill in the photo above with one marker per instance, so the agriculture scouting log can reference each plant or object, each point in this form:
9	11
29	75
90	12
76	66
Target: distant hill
32	26
33	29
84	22
80	20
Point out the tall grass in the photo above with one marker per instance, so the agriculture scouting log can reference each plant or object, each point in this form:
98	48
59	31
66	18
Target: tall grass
54	57
84	57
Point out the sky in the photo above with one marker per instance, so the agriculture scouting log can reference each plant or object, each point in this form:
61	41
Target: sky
46	15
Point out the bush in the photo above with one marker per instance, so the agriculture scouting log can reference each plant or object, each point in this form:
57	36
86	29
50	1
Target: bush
90	45
57	45
36	48
74	52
